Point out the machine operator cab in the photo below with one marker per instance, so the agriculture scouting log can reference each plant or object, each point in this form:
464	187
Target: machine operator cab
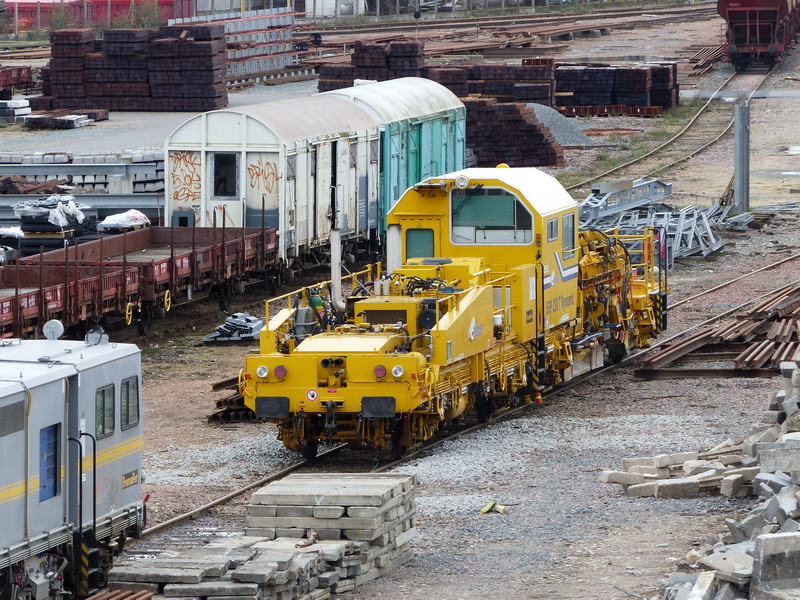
508	217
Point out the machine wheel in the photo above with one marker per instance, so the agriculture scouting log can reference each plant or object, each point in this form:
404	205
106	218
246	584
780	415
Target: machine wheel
483	408
310	450
616	352
397	449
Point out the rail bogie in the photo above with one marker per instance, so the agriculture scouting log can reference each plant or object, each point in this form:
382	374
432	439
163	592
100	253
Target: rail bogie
491	296
71	441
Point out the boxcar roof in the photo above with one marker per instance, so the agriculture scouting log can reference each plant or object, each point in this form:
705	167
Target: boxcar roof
300	118
37	362
404	98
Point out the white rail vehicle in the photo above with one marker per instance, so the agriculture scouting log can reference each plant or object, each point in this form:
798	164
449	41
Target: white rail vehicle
306	165
71	447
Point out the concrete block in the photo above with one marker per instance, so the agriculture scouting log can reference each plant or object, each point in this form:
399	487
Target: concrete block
210	588
677	488
156	575
752	524
736	531
305	512
790	526
328	512
747	473
768	435
731	485
704	588
693	467
343	585
726	591
651	472
262	532
290	532
774	481
261	510
776	564
639	461
787	369
666	460
131	586
255	571
733	565
621	477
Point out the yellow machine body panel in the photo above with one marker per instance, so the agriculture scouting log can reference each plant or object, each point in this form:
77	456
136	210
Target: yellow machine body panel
491	295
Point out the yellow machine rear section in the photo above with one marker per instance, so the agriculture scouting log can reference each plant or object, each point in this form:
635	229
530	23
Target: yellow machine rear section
491	295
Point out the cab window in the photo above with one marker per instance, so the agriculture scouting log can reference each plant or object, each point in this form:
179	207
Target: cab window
568	236
104	411
419	243
489	216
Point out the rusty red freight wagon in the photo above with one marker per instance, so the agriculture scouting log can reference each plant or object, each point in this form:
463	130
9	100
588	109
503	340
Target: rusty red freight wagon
759	30
173	264
75	294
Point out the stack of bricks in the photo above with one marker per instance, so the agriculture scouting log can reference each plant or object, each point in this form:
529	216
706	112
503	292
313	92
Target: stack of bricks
116	78
187	67
370	61
632	86
453	78
69	48
405	59
308	536
645	85
178	68
525	141
336	77
664	90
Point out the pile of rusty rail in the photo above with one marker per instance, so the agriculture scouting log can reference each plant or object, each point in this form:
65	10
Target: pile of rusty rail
756	343
231	408
704	60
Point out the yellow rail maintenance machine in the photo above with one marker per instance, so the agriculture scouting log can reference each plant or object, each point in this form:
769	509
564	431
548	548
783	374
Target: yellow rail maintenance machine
491	295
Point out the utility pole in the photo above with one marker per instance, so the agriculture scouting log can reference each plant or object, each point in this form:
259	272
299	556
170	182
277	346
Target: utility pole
741	152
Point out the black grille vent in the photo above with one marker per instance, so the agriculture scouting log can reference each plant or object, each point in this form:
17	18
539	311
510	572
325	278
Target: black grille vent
384	317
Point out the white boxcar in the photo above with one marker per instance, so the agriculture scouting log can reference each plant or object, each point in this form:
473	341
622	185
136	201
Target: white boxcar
300	160
340	157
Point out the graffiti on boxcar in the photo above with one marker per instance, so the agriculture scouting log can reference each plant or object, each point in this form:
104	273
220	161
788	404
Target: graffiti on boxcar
185	174
263	174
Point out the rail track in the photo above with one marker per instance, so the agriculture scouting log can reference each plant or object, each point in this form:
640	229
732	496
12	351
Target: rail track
709	125
478	23
191	522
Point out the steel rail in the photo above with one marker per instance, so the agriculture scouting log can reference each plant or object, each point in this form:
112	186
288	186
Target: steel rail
712	142
572	384
673	139
510	19
727	283
195	512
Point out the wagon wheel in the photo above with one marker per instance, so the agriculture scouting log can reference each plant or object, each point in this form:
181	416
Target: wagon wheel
129	313
167	300
145	321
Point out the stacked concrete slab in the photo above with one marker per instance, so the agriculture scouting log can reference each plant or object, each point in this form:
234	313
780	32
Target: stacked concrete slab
376	510
307	536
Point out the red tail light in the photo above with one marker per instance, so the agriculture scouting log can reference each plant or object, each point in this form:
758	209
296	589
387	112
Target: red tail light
280	371
380	371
